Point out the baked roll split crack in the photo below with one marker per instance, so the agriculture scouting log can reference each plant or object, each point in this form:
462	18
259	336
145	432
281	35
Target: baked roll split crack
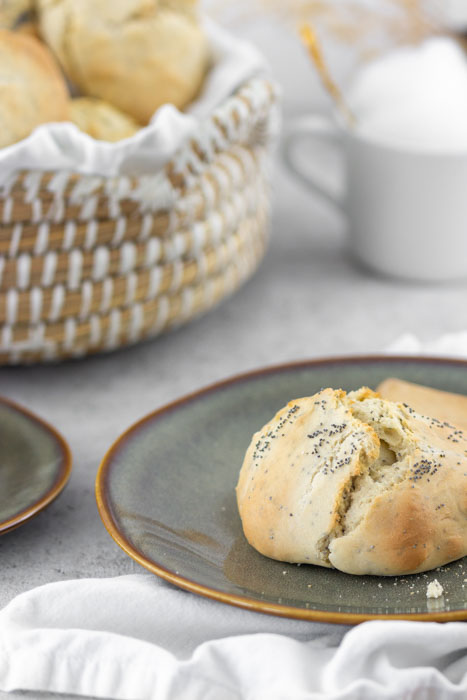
358	483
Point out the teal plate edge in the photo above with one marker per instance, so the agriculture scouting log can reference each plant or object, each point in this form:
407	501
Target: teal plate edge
42	495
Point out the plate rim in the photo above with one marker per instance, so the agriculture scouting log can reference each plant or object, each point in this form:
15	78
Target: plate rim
60	481
277	609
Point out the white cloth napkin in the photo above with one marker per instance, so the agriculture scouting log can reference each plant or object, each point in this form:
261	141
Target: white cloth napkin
139	638
449	345
62	146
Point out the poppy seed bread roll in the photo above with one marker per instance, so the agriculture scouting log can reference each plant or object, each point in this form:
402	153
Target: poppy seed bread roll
442	404
357	483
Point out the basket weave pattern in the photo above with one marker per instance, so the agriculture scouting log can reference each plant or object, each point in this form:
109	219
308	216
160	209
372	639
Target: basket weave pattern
91	263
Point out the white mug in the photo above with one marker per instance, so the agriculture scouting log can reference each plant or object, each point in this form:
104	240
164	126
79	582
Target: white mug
406	208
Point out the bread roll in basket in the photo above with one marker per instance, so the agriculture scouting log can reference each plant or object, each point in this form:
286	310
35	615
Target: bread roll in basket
89	262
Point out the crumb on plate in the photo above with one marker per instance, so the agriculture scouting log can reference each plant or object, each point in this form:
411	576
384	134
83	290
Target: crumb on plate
434	589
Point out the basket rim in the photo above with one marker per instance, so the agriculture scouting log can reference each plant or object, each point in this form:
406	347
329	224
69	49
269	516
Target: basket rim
36	239
260	109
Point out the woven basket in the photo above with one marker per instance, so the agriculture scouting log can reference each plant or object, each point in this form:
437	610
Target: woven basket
89	263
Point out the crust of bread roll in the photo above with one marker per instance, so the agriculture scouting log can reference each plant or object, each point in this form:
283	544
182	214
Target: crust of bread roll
358	483
135	54
30	28
427	401
101	120
32	88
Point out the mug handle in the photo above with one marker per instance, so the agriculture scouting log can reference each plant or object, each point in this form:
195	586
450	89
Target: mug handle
312	126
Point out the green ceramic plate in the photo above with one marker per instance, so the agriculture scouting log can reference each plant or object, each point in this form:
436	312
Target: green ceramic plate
165	492
35	464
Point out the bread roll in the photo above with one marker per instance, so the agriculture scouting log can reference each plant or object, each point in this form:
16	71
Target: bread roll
358	483
101	120
31	28
440	404
135	54
32	89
